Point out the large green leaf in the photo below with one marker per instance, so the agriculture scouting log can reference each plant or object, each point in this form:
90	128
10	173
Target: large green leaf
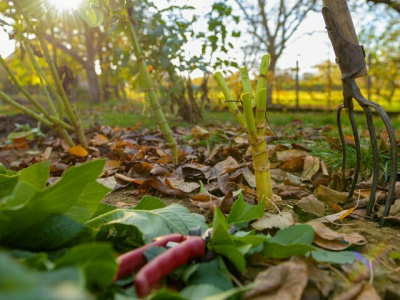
242	212
88	202
7	184
200	291
294	240
149	203
298	234
36	208
340	258
222	242
144	225
17	282
52	233
97	261
36	175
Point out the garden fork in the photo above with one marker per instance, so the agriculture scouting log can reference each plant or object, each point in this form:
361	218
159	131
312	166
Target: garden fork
350	57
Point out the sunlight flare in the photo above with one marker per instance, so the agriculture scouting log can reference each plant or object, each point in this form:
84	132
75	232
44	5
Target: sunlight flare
64	5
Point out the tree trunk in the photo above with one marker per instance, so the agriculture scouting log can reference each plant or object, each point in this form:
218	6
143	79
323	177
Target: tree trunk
92	78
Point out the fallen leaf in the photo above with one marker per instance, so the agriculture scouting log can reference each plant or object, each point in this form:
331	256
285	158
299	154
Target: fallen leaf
268	221
109	182
359	291
290	154
226	203
112	164
310	167
46	153
293	165
328	195
311	205
348	212
285	281
126	179
223	166
199	133
100	139
156	184
328	239
181	184
78	151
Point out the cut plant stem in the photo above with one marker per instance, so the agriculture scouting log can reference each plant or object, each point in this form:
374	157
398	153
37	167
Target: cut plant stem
257	139
149	89
232	104
60	89
261	96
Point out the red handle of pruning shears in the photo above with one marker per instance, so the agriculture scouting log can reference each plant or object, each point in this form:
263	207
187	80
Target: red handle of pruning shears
189	247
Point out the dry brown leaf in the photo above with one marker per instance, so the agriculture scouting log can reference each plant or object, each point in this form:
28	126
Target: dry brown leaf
268	221
241	140
293	165
312	205
46	153
158	171
109	182
223	166
125	179
226	203
78	151
199	133
112	164
158	185
328	195
179	183
100	139
359	291
310	167
290	154
328	239
286	281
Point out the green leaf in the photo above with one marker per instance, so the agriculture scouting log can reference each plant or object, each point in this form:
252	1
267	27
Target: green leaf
222	242
200	291
153	252
18	282
103	208
276	250
149	203
88	202
340	258
7	184
213	272
36	175
395	255
242	212
19	197
298	234
230	294
144	225
294	240
97	261
54	232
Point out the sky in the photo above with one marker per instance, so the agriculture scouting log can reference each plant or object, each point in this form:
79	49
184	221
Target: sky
309	50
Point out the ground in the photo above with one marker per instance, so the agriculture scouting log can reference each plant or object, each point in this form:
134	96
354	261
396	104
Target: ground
136	153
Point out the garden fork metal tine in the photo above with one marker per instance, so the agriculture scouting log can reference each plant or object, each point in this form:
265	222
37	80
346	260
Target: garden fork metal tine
343	142
375	155
393	157
358	153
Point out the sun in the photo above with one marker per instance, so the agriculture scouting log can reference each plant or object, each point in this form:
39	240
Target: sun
64	5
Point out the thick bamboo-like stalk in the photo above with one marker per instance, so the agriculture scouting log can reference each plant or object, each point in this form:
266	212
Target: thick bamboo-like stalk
61	91
244	75
148	84
43	78
258	146
261	96
16	82
233	108
26	110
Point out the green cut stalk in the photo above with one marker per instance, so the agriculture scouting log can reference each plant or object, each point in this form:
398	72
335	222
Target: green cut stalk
26	110
43	78
148	84
261	96
233	108
61	91
257	139
258	146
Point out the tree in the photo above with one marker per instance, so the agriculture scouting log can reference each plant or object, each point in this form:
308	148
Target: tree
273	26
395	4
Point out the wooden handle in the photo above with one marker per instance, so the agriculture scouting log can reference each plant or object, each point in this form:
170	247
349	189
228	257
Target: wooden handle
341	13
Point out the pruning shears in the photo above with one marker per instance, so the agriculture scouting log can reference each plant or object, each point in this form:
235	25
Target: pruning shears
181	250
